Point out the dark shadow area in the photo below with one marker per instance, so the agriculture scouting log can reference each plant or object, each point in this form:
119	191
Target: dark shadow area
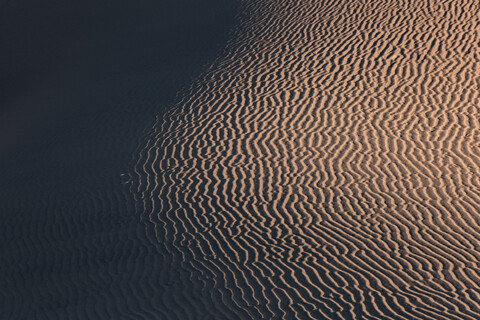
80	82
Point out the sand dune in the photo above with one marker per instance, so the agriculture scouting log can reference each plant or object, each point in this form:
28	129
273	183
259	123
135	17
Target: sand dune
80	81
326	167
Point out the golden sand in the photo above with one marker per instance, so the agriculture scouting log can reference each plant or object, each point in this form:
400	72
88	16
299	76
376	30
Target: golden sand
326	167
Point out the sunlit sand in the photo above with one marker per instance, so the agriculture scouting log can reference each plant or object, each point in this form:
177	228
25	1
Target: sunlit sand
326	167
293	159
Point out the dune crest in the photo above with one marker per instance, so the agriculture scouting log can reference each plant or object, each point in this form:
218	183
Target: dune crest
326	167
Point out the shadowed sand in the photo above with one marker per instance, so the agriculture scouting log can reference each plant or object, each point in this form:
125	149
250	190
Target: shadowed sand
326	167
80	81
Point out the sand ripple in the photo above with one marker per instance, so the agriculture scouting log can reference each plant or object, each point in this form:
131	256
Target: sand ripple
327	166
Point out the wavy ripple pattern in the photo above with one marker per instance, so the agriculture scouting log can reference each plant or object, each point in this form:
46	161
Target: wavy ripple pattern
327	166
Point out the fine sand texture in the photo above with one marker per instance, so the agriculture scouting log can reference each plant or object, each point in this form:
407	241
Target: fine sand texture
80	80
326	166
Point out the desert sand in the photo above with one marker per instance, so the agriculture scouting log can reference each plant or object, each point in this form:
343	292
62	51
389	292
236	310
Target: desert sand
80	81
284	159
325	167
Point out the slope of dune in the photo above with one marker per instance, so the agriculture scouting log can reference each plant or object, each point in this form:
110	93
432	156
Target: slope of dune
80	80
325	167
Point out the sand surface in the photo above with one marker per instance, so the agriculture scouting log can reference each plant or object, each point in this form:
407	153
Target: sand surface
80	81
324	164
325	167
